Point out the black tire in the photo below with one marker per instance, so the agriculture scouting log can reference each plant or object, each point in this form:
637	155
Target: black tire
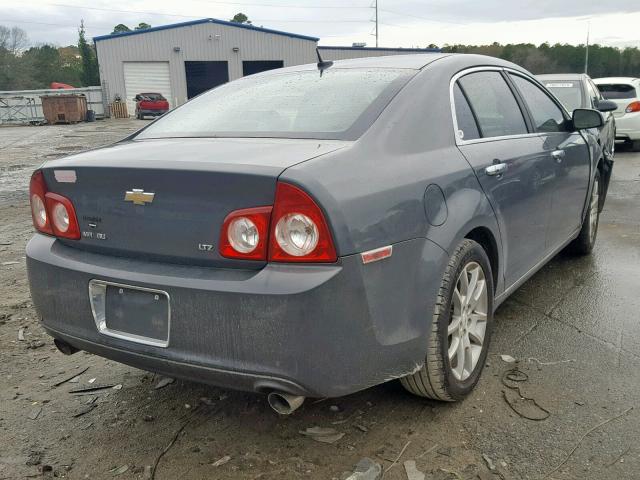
139	116
436	378
635	145
586	239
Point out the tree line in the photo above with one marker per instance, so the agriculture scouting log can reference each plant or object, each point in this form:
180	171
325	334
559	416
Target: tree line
603	61
31	67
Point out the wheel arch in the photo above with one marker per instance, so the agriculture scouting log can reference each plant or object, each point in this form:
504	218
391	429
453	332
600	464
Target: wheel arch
486	239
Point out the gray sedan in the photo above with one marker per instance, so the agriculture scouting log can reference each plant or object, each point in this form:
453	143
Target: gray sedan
316	230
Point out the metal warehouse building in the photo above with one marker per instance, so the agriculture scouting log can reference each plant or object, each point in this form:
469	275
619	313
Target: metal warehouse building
183	60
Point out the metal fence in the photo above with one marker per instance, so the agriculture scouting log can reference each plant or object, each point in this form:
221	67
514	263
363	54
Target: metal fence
20	107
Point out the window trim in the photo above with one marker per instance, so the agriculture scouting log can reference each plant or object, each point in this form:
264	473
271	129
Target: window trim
526	114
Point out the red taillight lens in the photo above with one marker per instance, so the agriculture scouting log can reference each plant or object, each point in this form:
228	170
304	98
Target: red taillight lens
37	192
52	214
245	234
62	216
299	231
633	107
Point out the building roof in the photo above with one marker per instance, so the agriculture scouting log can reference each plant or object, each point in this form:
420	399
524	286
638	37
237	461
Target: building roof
201	21
381	49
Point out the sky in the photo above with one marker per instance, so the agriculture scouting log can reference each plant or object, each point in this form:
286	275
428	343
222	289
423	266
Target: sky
402	23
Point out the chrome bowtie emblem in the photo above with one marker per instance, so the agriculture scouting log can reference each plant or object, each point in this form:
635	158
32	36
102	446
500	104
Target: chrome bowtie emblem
138	196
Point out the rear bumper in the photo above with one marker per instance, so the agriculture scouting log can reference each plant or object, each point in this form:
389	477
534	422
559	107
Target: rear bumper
309	330
628	127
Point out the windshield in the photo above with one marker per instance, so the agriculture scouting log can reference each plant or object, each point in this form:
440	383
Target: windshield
339	104
569	92
151	96
615	91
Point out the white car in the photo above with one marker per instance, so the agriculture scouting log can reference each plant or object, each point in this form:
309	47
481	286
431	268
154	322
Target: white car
625	91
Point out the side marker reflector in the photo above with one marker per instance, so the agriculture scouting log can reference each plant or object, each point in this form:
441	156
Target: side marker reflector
377	254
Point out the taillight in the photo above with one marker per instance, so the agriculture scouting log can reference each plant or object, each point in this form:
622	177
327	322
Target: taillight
63	216
37	192
52	214
293	230
299	231
633	107
245	234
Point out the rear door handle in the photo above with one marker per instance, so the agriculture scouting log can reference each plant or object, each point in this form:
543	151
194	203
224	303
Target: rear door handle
558	155
496	169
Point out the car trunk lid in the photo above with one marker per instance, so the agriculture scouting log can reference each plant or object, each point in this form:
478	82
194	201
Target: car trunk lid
166	200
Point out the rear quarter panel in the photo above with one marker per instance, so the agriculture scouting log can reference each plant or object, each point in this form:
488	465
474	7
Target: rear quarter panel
374	191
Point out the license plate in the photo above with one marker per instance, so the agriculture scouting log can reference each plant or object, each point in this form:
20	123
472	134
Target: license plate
131	313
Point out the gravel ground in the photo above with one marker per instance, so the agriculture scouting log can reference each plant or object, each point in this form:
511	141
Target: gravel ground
572	328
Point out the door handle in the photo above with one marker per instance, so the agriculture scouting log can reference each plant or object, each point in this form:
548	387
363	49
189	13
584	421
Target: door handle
558	155
496	169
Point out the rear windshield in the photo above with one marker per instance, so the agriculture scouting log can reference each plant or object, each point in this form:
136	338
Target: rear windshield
614	91
339	104
569	92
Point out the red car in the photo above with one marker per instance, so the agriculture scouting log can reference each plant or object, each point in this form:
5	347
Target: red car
152	104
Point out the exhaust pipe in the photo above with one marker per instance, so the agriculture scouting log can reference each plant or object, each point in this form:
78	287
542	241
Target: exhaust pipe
64	347
284	403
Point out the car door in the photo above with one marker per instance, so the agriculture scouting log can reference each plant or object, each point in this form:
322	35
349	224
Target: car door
509	162
607	133
569	151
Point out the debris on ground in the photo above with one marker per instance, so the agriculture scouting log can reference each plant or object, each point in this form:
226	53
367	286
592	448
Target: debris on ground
85	410
91	380
164	381
490	465
35	344
366	469
21	335
119	471
412	471
221	461
73	379
4	264
525	407
34	413
93	388
398	457
324	435
507	358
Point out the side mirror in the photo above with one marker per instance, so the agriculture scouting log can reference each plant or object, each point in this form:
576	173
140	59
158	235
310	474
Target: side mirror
584	118
607	106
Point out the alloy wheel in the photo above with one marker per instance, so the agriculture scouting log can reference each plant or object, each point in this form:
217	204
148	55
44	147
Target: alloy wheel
468	321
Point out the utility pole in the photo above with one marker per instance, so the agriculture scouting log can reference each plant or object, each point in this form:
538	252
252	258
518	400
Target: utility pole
586	54
375	6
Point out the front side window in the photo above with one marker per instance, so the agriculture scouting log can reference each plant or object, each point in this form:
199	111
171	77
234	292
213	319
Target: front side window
495	107
302	104
547	116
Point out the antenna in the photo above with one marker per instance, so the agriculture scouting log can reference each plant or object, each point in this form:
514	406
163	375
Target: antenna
322	65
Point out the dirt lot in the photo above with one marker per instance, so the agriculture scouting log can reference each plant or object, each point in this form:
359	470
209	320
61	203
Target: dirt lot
573	329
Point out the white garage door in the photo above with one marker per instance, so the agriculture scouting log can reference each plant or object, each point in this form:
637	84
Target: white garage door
141	77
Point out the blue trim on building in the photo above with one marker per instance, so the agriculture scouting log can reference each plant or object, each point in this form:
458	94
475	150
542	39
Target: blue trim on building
383	49
201	21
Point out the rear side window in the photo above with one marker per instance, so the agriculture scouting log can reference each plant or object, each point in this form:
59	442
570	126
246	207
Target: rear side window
615	91
495	107
547	116
467	126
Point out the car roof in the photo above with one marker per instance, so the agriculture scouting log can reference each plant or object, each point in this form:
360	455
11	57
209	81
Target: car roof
562	76
408	61
626	80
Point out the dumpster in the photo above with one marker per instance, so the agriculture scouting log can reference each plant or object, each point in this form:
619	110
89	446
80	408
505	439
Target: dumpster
64	108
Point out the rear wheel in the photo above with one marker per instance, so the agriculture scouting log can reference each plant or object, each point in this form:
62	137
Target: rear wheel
635	145
586	240
461	328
